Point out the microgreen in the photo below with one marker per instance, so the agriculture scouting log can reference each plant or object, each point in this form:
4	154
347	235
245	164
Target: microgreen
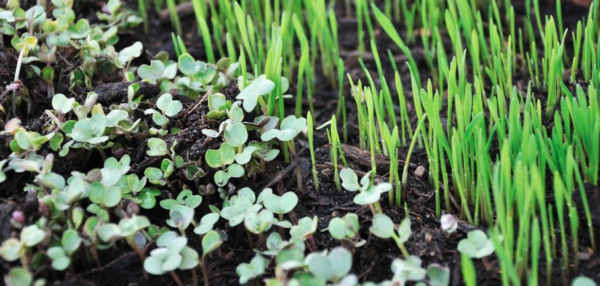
255	268
383	227
476	245
408	269
368	193
250	94
157	71
332	266
280	204
346	229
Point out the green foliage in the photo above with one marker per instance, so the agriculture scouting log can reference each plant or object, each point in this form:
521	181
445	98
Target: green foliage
248	271
174	255
476	245
239	206
211	241
157	71
346	228
90	130
251	93
206	223
220	158
408	269
126	55
332	266
583	281
185	198
280	204
290	127
157	147
306	228
368	193
383	227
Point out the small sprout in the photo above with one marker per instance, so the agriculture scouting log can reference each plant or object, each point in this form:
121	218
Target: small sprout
408	270
438	275
306	228
218	106
245	156
61	103
18	276
180	216
185	198
256	268
449	223
330	267
155	176
26	141
127	54
239	206
476	245
25	45
290	127
258	223
583	281
220	158
369	193
10	249
207	223
157	71
293	258
233	171
211	242
158	147
236	134
249	96
168	106
60	259
280	205
32	235
113	170
106	197
127	228
175	255
147	197
345	228
383	227
198	75
275	244
90	130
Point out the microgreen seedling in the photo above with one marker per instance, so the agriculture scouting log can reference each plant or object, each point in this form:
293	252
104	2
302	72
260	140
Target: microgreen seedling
252	93
383	227
476	245
333	266
408	269
255	268
346	229
369	193
305	229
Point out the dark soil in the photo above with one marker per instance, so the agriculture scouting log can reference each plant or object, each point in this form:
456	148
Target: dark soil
121	266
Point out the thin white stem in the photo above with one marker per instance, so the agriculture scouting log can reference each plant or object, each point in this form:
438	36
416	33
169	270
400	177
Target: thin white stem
17	72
